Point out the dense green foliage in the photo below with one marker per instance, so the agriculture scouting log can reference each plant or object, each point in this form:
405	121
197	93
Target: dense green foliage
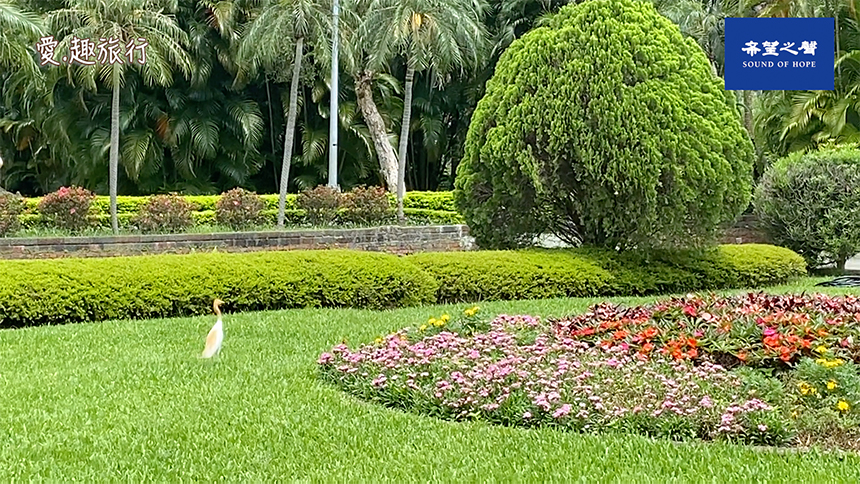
71	290
810	203
583	272
614	140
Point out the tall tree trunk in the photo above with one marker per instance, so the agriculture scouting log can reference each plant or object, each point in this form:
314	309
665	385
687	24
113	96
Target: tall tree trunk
748	121
378	131
113	164
404	137
290	131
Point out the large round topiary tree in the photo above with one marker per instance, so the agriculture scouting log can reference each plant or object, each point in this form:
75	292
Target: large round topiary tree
604	126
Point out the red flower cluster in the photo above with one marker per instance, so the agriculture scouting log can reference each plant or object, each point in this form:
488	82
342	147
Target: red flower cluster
755	328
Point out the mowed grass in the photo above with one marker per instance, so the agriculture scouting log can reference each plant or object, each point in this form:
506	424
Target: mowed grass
130	401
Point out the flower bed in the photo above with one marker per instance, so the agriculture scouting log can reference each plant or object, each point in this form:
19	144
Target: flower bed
644	370
755	329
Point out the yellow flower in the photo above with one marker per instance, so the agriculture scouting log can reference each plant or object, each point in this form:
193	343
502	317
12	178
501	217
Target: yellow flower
805	389
378	340
469	313
431	321
821	349
843	406
423	327
794	414
830	363
445	318
831	385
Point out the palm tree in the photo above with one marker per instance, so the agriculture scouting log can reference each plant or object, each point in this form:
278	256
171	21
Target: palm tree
437	36
369	76
280	23
18	28
789	121
124	23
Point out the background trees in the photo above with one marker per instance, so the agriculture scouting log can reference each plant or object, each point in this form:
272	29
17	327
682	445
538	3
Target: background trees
225	127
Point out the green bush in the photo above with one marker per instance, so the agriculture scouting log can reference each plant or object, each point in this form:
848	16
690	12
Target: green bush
624	140
586	272
431	217
165	213
239	208
441	201
810	203
11	207
34	292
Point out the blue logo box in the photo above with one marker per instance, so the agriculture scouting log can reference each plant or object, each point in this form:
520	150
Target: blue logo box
792	54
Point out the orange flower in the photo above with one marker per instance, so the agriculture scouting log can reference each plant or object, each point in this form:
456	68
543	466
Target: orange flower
621	334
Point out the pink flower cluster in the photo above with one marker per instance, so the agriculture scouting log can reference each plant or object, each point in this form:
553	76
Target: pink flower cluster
521	372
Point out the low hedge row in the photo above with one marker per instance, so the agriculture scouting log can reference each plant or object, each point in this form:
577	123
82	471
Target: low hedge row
34	292
292	216
426	201
586	272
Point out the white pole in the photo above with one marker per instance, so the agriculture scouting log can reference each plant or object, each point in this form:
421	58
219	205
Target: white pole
333	115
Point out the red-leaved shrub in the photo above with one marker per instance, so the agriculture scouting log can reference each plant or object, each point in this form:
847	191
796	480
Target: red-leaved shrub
165	213
239	208
67	208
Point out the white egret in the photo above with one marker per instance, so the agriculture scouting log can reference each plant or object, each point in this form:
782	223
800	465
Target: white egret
216	334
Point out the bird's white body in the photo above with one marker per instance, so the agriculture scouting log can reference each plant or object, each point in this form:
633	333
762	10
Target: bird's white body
214	339
216	334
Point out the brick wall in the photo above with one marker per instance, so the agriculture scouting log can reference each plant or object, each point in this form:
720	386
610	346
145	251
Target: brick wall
392	239
744	232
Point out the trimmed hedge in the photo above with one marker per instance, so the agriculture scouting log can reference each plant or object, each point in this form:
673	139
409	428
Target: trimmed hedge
586	272
294	217
34	292
426	201
53	291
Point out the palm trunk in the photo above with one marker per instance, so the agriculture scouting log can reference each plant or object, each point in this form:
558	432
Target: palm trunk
113	163
404	137
290	131
378	132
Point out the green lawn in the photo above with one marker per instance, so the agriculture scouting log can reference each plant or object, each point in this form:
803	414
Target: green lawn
131	401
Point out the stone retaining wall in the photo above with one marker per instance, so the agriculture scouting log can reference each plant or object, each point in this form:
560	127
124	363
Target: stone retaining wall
392	239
